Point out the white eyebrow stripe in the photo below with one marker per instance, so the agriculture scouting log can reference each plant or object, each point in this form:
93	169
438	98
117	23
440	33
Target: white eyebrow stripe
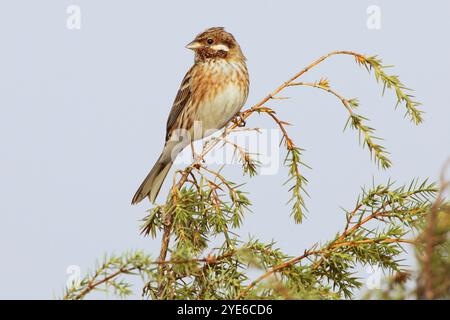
221	47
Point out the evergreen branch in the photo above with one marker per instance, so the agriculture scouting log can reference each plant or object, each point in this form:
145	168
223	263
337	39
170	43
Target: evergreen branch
128	266
94	284
393	82
309	253
357	122
169	219
293	162
111	267
403	206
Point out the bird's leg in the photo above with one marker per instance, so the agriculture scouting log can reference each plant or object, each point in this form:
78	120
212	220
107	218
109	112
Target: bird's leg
239	120
197	157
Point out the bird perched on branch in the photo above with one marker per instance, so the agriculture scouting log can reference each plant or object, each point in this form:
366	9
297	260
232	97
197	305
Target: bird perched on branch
211	94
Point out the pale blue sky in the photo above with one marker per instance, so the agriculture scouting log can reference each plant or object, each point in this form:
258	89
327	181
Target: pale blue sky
83	112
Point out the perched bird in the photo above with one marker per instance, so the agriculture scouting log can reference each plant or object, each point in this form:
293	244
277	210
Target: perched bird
211	94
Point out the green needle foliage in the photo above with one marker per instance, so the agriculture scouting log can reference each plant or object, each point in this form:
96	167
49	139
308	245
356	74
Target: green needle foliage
378	152
393	82
203	257
108	275
293	162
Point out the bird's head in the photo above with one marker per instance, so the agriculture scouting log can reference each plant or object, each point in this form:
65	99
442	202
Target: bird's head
216	43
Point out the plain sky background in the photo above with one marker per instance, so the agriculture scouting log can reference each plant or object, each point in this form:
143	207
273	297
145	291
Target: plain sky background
83	113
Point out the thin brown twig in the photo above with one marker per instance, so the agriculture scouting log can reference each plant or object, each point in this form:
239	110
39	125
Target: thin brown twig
168	228
94	284
327	89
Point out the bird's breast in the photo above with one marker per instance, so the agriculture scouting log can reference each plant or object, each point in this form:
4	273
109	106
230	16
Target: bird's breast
220	107
225	92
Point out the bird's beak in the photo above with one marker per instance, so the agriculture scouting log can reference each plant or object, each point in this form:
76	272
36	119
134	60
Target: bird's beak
193	45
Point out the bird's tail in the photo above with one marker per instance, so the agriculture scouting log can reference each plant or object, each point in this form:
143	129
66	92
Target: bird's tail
152	183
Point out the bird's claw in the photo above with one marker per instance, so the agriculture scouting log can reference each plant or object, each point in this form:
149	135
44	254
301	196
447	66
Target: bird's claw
239	120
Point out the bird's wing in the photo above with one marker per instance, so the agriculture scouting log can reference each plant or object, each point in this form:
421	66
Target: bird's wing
181	100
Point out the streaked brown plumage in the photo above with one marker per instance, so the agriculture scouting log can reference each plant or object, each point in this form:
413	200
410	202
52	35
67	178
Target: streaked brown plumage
211	94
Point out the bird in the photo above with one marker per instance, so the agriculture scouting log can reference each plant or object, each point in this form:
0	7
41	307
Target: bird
211	94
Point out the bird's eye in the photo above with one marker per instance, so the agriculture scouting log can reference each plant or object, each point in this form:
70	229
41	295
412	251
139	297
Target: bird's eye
210	41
